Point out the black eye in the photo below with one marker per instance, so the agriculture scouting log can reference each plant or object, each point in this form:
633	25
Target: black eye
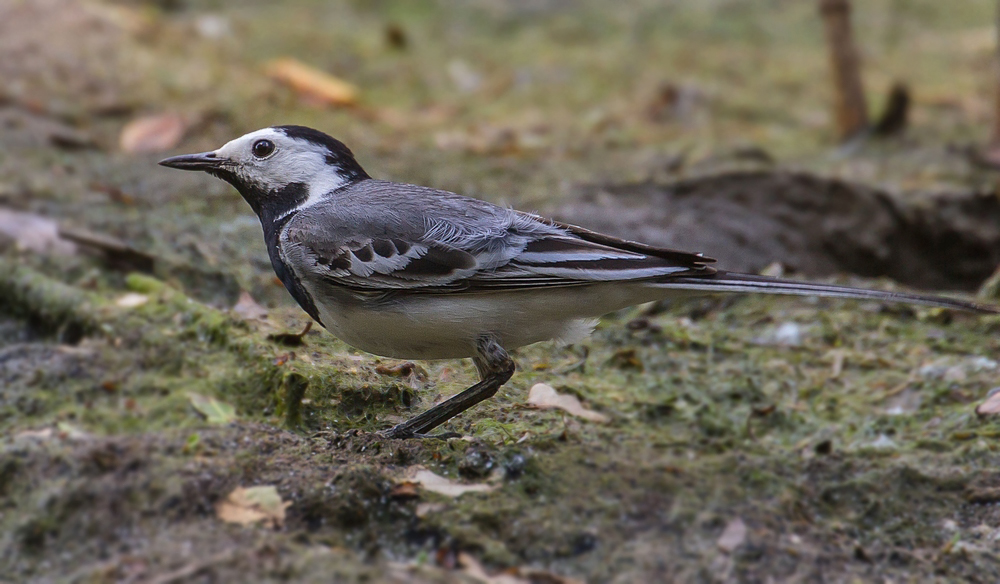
262	148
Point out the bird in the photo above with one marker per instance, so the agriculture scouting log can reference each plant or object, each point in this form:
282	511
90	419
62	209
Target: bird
412	272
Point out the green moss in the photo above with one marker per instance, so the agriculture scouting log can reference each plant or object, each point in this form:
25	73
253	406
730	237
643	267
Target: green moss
838	475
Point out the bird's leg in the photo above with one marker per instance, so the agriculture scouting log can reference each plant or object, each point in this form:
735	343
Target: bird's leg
495	368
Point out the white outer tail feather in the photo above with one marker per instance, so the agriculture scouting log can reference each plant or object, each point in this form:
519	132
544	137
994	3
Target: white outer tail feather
751	284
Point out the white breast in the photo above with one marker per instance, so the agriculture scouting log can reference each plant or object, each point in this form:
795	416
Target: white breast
443	326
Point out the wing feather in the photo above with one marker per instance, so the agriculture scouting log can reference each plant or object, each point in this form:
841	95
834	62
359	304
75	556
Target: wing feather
500	250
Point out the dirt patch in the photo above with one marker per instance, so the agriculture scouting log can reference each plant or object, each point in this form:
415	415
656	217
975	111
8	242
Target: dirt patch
813	225
64	56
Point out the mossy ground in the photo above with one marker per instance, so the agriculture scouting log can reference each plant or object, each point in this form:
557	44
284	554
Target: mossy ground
851	453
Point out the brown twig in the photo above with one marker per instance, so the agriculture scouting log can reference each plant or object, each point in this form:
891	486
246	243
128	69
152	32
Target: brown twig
850	106
895	117
996	95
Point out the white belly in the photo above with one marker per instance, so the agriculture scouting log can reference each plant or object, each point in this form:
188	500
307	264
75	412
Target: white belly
444	326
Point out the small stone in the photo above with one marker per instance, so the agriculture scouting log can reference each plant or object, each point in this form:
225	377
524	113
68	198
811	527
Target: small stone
991	406
883	442
788	334
131	300
465	78
733	536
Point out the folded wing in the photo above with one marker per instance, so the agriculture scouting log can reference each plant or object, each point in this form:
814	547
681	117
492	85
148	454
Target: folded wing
522	251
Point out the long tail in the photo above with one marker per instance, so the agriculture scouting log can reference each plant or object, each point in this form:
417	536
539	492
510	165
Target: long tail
748	283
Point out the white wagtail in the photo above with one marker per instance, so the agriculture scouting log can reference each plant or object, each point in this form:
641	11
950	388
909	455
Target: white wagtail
412	272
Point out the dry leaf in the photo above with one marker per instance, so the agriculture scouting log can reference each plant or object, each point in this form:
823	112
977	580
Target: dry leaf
991	406
63	430
405	369
441	485
156	133
215	411
312	82
43	434
546	397
732	536
32	232
247	308
248	506
70	432
473	569
405	490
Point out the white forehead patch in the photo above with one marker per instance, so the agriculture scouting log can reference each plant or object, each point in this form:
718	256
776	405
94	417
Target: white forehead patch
293	161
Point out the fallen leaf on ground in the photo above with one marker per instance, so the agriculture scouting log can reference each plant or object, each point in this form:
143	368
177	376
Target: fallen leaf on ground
156	133
473	569
32	232
63	431
312	82
70	432
441	485
405	369
215	411
42	434
991	406
247	506
247	308
546	397
732	536
405	490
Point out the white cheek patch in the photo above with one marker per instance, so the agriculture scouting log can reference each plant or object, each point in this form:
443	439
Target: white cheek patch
307	166
301	163
294	161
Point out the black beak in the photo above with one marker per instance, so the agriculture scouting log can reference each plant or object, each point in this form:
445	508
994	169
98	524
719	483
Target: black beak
202	161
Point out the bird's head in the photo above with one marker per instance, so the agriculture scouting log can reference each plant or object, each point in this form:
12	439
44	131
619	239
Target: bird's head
277	169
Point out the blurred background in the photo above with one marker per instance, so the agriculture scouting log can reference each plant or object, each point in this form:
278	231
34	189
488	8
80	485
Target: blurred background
824	139
549	105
